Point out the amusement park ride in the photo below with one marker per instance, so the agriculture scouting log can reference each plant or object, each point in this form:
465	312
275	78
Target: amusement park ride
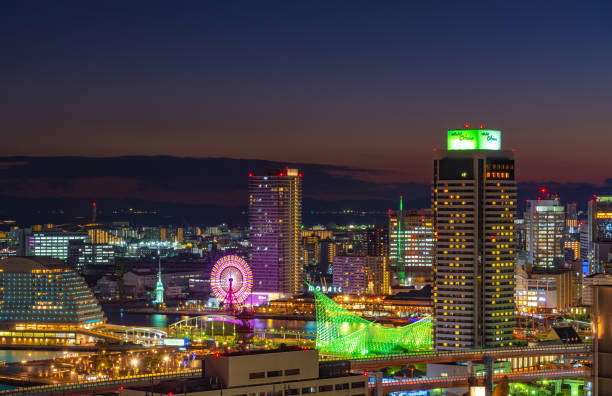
231	281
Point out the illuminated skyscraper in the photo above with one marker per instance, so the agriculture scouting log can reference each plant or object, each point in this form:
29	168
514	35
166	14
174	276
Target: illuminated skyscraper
545	228
275	219
600	235
474	199
411	245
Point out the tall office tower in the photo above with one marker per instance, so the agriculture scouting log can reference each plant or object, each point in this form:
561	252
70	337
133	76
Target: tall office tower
412	245
52	243
180	234
600	235
585	251
571	218
474	200
275	219
545	230
377	241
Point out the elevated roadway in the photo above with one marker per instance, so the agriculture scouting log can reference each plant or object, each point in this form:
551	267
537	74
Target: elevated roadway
462	382
379	362
424	383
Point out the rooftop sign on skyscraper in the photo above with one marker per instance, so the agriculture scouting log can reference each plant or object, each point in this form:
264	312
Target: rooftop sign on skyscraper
473	139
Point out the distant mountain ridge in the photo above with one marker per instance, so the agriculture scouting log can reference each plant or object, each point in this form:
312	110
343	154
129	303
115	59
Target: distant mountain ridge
207	190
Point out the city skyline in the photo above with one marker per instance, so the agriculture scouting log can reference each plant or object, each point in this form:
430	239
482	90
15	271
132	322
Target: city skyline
305	198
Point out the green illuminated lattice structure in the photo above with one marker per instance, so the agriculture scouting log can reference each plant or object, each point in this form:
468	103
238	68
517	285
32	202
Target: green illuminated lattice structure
341	332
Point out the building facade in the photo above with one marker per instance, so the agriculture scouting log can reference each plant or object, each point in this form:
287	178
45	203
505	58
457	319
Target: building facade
412	245
377	241
545	230
275	219
349	274
52	243
552	291
474	200
42	293
85	256
361	275
284	372
600	235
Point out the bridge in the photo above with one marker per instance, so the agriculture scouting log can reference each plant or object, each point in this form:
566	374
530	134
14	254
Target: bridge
369	363
146	336
214	325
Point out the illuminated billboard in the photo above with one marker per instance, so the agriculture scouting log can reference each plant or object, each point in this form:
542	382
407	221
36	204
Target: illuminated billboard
176	341
473	139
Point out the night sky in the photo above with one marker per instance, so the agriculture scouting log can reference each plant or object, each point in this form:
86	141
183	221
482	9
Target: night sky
360	84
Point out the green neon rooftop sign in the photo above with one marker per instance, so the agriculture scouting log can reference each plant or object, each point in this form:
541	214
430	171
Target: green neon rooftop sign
473	139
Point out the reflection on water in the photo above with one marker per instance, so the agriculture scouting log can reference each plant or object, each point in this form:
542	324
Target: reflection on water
17	356
115	316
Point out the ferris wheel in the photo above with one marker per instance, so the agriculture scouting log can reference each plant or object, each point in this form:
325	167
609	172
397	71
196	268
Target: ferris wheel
231	280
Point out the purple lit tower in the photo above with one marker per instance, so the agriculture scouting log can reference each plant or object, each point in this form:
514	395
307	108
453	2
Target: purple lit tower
275	219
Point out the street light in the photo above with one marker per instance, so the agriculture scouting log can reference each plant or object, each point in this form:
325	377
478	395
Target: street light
135	364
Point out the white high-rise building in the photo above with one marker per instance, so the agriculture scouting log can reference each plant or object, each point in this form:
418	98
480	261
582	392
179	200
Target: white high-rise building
474	199
545	230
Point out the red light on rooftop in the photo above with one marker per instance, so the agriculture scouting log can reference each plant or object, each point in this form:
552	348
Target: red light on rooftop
543	190
466	125
250	174
300	174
